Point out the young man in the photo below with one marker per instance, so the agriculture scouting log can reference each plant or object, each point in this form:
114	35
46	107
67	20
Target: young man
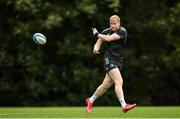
115	36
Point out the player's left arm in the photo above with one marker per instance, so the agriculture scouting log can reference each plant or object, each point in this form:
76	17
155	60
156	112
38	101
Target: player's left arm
106	38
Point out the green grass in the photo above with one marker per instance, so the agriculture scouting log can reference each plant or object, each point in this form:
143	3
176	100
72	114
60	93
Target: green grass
79	112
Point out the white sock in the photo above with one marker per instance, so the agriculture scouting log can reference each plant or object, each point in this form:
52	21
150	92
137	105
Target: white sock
123	103
93	98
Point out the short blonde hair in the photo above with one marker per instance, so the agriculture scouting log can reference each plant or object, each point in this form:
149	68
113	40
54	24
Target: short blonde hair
114	18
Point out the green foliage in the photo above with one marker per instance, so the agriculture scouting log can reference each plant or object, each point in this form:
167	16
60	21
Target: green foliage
65	72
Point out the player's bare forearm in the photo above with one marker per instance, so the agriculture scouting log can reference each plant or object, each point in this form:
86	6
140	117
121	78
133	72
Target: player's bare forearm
97	46
99	42
106	38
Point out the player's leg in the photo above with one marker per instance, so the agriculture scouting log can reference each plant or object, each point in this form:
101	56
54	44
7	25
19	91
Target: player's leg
106	84
118	81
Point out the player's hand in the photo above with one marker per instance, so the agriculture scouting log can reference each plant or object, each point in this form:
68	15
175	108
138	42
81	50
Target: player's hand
94	31
96	50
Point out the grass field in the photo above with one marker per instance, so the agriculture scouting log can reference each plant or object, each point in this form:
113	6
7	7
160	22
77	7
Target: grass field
79	112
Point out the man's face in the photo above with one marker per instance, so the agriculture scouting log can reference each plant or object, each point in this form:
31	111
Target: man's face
114	25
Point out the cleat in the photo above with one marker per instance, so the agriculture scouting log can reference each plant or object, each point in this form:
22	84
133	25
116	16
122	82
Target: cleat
89	105
128	107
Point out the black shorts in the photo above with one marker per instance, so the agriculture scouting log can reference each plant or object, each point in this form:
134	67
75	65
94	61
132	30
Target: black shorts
110	63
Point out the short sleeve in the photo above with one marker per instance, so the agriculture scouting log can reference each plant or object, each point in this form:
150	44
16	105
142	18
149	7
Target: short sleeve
106	31
122	32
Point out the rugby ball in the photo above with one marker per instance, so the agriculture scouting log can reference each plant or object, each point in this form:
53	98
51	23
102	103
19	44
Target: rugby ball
39	38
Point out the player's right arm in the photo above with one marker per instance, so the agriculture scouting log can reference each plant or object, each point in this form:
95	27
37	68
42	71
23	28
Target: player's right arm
97	46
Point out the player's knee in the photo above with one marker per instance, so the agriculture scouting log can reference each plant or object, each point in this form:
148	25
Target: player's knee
120	83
